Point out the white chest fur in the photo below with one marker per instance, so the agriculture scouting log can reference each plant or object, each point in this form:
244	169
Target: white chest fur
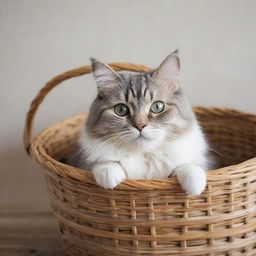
140	164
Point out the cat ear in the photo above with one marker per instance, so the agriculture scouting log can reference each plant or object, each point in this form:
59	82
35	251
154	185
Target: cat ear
167	73
104	75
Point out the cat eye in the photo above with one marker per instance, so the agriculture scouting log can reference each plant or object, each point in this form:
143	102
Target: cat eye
121	109
157	107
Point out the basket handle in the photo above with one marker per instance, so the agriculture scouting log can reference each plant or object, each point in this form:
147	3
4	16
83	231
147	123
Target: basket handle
27	136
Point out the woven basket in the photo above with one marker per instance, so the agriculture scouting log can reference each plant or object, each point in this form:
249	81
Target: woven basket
152	217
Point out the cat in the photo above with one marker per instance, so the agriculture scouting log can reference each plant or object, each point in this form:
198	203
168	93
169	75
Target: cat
141	126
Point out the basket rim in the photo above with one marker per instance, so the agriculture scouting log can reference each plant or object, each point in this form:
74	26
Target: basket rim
228	172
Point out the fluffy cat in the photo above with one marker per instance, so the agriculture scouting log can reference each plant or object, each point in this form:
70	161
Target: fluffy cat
141	126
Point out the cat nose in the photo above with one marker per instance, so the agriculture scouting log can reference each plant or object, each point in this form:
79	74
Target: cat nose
140	126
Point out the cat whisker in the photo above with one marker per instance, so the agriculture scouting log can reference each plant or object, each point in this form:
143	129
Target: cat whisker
215	151
103	141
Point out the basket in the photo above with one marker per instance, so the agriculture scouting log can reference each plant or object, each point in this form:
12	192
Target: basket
152	217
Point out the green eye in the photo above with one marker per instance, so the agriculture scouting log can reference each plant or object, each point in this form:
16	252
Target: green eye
157	107
121	109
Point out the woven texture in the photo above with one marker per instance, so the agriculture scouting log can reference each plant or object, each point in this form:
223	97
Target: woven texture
152	217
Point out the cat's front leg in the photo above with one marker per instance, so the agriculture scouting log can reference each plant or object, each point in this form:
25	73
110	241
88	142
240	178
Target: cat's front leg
108	174
192	178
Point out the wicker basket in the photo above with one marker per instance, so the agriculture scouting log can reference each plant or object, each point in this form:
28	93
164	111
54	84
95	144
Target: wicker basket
152	217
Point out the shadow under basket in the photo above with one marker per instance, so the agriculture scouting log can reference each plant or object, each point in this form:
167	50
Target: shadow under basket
152	217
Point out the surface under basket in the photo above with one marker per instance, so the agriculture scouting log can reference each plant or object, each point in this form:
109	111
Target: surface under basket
152	217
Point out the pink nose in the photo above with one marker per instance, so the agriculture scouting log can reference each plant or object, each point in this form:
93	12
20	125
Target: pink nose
140	126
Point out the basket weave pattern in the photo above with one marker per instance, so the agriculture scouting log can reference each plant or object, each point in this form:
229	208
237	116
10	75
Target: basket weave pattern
152	217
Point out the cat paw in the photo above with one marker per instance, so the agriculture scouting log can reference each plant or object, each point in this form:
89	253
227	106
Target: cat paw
109	175
192	178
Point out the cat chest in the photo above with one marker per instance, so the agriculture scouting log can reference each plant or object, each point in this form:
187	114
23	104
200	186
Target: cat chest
144	166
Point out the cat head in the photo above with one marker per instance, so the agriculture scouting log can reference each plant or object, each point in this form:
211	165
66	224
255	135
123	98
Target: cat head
140	109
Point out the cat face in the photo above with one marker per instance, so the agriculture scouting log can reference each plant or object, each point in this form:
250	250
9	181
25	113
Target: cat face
139	109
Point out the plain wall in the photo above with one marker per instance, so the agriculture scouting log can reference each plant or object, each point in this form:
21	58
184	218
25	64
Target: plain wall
42	38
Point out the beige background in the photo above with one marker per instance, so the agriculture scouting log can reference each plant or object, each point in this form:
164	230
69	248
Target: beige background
42	38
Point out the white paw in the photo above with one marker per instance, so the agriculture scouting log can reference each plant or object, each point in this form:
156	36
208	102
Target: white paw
108	175
192	178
